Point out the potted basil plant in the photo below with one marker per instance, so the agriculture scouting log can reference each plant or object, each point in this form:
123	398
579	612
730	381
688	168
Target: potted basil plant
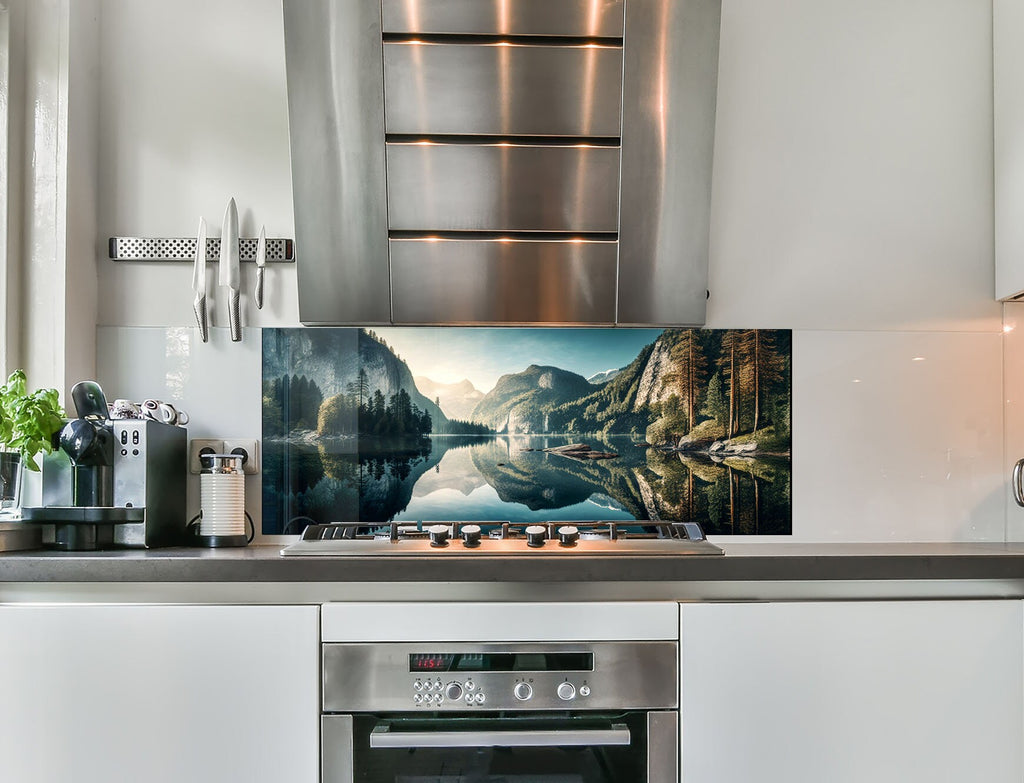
28	423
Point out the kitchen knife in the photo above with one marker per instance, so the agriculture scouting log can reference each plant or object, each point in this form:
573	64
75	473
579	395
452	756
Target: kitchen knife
199	282
229	276
261	262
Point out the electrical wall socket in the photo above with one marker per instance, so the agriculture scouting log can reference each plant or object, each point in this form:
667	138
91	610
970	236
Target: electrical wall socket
197	446
249	448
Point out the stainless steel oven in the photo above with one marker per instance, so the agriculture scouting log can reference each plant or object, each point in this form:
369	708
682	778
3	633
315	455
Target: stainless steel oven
518	712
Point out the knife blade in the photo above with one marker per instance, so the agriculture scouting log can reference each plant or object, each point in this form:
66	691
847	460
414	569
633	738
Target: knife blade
199	282
261	262
229	275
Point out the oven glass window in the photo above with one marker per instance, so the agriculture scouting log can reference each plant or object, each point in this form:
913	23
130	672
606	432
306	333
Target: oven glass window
468	750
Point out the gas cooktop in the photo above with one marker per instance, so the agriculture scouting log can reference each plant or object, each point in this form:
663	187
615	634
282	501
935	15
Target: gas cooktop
467	539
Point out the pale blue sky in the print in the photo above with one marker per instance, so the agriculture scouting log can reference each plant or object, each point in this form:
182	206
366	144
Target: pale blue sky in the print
450	354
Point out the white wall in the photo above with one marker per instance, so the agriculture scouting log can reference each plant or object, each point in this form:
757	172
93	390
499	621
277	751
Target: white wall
852	203
1013	390
194	112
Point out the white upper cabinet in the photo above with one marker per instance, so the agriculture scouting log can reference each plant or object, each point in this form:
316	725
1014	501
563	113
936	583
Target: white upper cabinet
1008	113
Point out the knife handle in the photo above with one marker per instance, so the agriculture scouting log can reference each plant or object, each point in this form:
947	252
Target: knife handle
258	293
199	305
235	316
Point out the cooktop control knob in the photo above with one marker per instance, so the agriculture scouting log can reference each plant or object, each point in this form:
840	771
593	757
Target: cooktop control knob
438	535
470	535
535	535
523	691
453	691
566	691
568	535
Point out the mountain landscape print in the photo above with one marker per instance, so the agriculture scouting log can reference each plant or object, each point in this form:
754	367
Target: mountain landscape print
527	425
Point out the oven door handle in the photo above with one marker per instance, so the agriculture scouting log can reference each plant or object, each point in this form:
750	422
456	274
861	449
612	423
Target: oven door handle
383	737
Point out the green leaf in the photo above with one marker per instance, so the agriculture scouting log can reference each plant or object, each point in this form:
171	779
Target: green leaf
28	422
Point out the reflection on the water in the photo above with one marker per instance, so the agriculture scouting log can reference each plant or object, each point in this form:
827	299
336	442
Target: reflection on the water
509	477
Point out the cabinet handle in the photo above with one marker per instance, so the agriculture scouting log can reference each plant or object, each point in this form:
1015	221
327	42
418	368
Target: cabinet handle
1018	486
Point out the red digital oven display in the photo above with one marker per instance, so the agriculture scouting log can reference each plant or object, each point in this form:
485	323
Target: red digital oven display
431	662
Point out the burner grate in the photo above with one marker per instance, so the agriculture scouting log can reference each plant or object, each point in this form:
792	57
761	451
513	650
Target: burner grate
596	530
597	538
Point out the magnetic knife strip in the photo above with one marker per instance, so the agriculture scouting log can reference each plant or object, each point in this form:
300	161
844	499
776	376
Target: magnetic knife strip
279	251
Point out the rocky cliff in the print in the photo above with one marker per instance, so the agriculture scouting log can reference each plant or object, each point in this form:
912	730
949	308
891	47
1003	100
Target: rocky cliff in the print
520	402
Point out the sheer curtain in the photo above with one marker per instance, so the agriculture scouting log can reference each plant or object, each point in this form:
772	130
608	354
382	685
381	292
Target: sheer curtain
48	160
5	201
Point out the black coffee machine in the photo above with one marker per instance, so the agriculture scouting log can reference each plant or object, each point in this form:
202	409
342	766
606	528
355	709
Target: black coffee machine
112	482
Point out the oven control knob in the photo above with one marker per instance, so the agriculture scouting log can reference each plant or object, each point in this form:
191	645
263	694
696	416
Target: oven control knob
584	690
522	691
453	691
470	535
566	691
568	535
535	535
438	535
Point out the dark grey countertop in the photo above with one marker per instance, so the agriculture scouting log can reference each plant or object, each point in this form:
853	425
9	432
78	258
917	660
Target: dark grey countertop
742	562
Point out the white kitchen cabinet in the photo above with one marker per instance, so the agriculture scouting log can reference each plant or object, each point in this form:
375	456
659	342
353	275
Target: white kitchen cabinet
203	694
886	692
1008	132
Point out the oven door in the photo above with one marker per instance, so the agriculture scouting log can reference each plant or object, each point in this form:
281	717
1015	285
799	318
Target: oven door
630	747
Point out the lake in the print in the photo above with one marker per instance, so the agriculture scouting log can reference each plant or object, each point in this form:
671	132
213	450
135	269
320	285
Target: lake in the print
510	478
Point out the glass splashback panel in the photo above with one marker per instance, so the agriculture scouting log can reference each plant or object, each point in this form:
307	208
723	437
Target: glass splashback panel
527	425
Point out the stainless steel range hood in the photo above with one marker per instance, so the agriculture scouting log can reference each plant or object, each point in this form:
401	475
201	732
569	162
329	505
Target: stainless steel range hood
502	161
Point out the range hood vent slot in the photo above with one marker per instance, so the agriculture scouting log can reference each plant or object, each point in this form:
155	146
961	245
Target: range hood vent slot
546	18
497	39
507	141
511	236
